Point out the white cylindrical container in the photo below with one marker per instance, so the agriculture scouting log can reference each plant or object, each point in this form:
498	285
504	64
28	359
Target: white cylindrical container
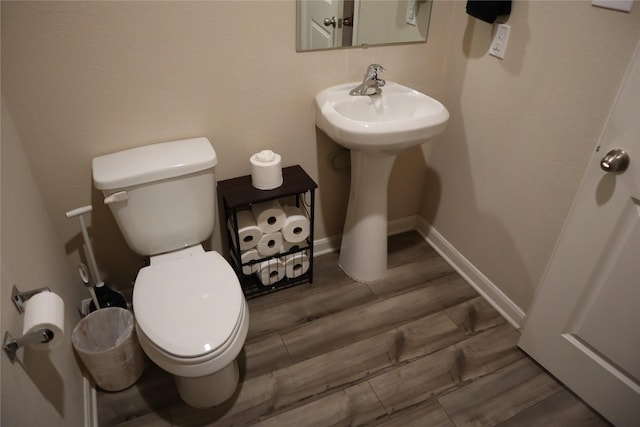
266	170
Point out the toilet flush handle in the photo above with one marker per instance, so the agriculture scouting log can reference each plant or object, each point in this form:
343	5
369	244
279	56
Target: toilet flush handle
120	196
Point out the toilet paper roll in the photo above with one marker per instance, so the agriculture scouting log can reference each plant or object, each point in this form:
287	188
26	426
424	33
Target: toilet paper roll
44	310
266	170
289	246
248	231
247	256
271	271
296	226
295	265
268	215
270	244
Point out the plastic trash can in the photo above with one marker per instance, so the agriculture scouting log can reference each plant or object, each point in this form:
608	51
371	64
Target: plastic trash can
106	342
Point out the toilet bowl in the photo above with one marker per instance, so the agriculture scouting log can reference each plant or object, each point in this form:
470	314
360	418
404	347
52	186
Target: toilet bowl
191	314
197	334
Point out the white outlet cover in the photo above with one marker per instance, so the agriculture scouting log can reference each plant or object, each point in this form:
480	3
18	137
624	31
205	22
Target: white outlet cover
499	44
623	5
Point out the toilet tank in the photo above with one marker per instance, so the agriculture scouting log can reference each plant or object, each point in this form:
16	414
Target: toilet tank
163	195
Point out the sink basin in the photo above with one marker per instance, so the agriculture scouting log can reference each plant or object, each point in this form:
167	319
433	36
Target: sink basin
375	128
393	120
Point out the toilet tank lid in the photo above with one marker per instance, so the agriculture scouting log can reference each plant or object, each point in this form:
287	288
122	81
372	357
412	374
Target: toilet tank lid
153	162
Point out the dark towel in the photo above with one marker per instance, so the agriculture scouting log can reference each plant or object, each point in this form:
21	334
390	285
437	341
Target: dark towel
488	10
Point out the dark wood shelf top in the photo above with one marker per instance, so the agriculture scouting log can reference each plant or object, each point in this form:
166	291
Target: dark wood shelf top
238	192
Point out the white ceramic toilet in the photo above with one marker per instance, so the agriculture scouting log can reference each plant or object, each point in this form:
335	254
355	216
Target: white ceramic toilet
191	314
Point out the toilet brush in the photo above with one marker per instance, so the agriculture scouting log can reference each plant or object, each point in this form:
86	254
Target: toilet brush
101	295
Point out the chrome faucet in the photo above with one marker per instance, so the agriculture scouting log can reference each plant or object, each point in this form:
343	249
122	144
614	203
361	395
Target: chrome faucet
372	82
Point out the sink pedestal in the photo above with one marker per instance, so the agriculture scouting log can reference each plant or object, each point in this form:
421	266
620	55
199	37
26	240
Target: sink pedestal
363	252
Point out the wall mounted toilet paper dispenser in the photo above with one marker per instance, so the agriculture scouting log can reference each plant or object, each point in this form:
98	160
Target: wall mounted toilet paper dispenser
33	337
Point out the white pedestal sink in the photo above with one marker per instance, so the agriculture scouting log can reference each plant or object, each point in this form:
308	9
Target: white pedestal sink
375	128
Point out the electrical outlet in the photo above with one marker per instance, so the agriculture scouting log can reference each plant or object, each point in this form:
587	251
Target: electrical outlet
499	43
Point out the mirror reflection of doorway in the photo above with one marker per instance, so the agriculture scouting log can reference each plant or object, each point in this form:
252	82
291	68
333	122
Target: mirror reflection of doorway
321	24
330	24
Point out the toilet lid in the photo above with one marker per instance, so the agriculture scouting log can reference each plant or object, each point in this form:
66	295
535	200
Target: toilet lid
189	306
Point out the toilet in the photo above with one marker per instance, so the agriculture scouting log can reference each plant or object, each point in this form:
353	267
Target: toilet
191	314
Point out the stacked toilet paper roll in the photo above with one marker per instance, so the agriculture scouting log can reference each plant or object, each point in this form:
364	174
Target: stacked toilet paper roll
270	244
289	246
266	170
295	265
44	310
245	258
269	216
267	230
248	232
296	225
271	271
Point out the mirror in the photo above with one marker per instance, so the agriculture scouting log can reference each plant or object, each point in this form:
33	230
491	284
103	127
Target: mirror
332	24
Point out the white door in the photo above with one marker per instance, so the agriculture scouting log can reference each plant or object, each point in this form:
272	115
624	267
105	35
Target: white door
584	326
317	34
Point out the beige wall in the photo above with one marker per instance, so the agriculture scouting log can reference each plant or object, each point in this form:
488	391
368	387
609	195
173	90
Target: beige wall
40	387
88	78
500	182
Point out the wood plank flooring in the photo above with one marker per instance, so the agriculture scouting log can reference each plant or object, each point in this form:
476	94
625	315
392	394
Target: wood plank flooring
419	348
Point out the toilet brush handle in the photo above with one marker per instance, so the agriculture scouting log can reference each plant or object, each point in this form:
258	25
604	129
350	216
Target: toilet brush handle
93	266
79	211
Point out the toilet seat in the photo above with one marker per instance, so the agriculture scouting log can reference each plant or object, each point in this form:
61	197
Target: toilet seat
189	307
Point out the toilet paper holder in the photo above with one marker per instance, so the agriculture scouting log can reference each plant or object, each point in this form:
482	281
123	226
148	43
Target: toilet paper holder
10	344
19	297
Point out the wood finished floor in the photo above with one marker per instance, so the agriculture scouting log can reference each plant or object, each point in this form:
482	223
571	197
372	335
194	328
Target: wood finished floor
419	348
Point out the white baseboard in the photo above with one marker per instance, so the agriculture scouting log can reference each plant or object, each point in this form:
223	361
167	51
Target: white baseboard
402	225
481	283
331	244
326	245
90	403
